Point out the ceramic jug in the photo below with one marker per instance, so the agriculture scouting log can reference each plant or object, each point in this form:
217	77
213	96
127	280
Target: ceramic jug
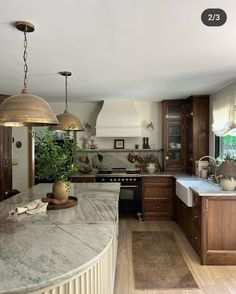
228	184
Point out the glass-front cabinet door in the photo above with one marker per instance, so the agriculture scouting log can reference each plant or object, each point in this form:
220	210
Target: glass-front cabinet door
173	114
174	140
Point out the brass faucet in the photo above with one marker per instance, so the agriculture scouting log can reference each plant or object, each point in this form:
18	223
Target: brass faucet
211	177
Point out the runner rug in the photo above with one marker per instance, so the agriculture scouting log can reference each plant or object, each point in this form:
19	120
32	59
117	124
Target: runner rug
158	263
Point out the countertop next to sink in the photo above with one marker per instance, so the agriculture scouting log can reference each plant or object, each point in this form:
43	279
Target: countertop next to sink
43	250
206	188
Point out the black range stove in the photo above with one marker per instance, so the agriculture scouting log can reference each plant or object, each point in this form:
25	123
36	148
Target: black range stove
118	172
130	192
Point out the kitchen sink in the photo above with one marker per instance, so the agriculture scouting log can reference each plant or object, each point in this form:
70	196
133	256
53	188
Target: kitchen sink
184	192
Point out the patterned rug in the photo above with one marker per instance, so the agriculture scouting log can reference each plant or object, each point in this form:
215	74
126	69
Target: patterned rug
158	263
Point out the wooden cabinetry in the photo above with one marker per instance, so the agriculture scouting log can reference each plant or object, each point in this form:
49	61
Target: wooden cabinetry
209	226
5	158
196	223
197	126
189	220
184	218
173	134
185	132
157	197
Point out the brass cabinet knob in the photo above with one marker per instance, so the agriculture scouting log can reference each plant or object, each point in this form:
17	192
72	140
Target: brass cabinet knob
195	237
167	157
158	207
158	181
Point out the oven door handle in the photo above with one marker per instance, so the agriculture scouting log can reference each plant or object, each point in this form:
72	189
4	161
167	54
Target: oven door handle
129	186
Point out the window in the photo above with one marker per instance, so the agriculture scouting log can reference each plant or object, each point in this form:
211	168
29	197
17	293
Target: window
226	144
224	115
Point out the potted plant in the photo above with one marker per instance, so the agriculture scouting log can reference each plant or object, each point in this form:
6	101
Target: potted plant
227	171
56	162
151	162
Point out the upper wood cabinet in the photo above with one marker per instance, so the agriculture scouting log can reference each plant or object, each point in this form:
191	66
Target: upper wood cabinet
5	158
174	134
197	123
185	132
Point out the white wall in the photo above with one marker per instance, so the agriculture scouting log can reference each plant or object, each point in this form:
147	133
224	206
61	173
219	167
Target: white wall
87	112
229	89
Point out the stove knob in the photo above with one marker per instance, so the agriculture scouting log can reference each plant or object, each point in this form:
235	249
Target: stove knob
114	180
118	179
102	180
122	180
130	179
110	180
134	180
126	180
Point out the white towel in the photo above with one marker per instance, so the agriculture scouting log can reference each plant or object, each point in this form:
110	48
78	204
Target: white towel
34	207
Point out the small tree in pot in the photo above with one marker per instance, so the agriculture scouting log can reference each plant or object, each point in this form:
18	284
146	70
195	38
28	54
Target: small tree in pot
56	162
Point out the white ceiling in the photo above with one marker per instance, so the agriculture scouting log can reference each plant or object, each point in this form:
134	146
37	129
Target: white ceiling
139	49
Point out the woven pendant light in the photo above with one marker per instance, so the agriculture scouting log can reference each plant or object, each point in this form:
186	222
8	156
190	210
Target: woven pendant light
67	121
26	109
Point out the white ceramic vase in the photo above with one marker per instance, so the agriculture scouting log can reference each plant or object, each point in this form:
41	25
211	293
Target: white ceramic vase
151	168
228	184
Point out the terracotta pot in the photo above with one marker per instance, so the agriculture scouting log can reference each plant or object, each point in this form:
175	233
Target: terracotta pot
131	158
60	190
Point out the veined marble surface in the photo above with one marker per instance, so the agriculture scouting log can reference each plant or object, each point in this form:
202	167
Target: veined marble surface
41	250
203	187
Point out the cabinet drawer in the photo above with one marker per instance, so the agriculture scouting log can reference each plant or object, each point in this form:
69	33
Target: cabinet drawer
157	180
174	166
197	217
161	193
157	206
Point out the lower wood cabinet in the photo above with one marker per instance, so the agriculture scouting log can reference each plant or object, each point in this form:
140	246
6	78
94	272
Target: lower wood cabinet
210	227
196	235
157	198
5	158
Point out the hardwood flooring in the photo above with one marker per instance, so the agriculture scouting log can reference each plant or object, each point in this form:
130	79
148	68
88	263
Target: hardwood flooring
210	279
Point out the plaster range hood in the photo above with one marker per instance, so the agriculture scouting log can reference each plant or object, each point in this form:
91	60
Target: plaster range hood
118	118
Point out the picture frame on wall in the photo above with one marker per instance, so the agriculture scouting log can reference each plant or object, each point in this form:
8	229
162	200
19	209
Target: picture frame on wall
119	143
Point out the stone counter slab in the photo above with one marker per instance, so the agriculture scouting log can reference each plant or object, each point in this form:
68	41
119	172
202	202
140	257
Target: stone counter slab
41	250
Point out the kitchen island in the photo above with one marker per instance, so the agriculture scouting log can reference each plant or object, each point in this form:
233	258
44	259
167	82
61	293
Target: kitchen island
61	251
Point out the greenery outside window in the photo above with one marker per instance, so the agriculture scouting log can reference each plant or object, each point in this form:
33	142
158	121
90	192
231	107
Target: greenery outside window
226	144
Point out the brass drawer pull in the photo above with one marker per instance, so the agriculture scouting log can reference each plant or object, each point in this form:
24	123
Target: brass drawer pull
158	181
158	207
158	193
195	238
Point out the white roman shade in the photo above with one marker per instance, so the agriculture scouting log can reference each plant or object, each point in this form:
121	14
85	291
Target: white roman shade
224	120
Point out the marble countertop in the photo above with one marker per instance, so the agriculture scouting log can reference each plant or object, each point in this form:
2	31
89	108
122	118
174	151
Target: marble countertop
45	249
210	189
203	187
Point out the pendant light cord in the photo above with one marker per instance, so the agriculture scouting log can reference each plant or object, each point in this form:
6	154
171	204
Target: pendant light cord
66	110
25	59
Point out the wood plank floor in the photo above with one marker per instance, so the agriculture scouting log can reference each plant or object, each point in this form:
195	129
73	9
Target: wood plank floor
210	279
